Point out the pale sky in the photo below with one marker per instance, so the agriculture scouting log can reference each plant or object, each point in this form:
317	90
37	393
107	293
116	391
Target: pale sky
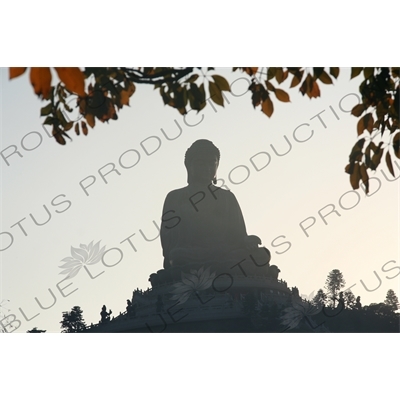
361	237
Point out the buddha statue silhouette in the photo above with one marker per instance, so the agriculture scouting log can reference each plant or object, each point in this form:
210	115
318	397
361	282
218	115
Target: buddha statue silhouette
203	223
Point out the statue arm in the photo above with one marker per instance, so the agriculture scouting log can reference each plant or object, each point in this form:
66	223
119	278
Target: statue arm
250	242
169	224
238	225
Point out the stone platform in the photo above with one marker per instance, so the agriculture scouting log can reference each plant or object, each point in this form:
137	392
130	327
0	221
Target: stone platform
202	300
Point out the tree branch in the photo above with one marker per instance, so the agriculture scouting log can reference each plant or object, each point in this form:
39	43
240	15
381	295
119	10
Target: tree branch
169	75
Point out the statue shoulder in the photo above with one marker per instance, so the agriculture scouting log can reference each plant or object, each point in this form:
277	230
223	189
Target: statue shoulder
181	194
175	196
177	192
227	193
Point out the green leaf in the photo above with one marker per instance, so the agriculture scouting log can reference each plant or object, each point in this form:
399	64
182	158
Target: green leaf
221	82
215	94
49	121
46	110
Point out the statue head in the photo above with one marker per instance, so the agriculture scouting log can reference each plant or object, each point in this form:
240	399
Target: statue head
201	162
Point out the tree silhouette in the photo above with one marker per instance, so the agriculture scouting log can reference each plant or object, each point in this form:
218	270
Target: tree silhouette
349	299
73	321
391	300
381	314
319	299
334	282
35	330
349	315
99	94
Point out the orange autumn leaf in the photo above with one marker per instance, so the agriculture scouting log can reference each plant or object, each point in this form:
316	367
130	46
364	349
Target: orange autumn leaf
364	177
90	120
16	71
127	93
41	81
355	176
250	70
106	111
314	92
84	128
267	107
310	87
282	95
396	144
365	122
73	79
389	164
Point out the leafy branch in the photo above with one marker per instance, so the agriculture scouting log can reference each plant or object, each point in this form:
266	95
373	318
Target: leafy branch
100	93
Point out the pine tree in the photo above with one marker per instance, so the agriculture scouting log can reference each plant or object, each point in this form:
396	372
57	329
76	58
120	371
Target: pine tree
349	299
334	282
73	321
319	299
391	300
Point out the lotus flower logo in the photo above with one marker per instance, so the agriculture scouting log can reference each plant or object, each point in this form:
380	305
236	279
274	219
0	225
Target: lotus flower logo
81	256
192	282
298	311
309	297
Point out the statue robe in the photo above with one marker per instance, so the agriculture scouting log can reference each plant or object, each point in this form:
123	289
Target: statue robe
201	224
